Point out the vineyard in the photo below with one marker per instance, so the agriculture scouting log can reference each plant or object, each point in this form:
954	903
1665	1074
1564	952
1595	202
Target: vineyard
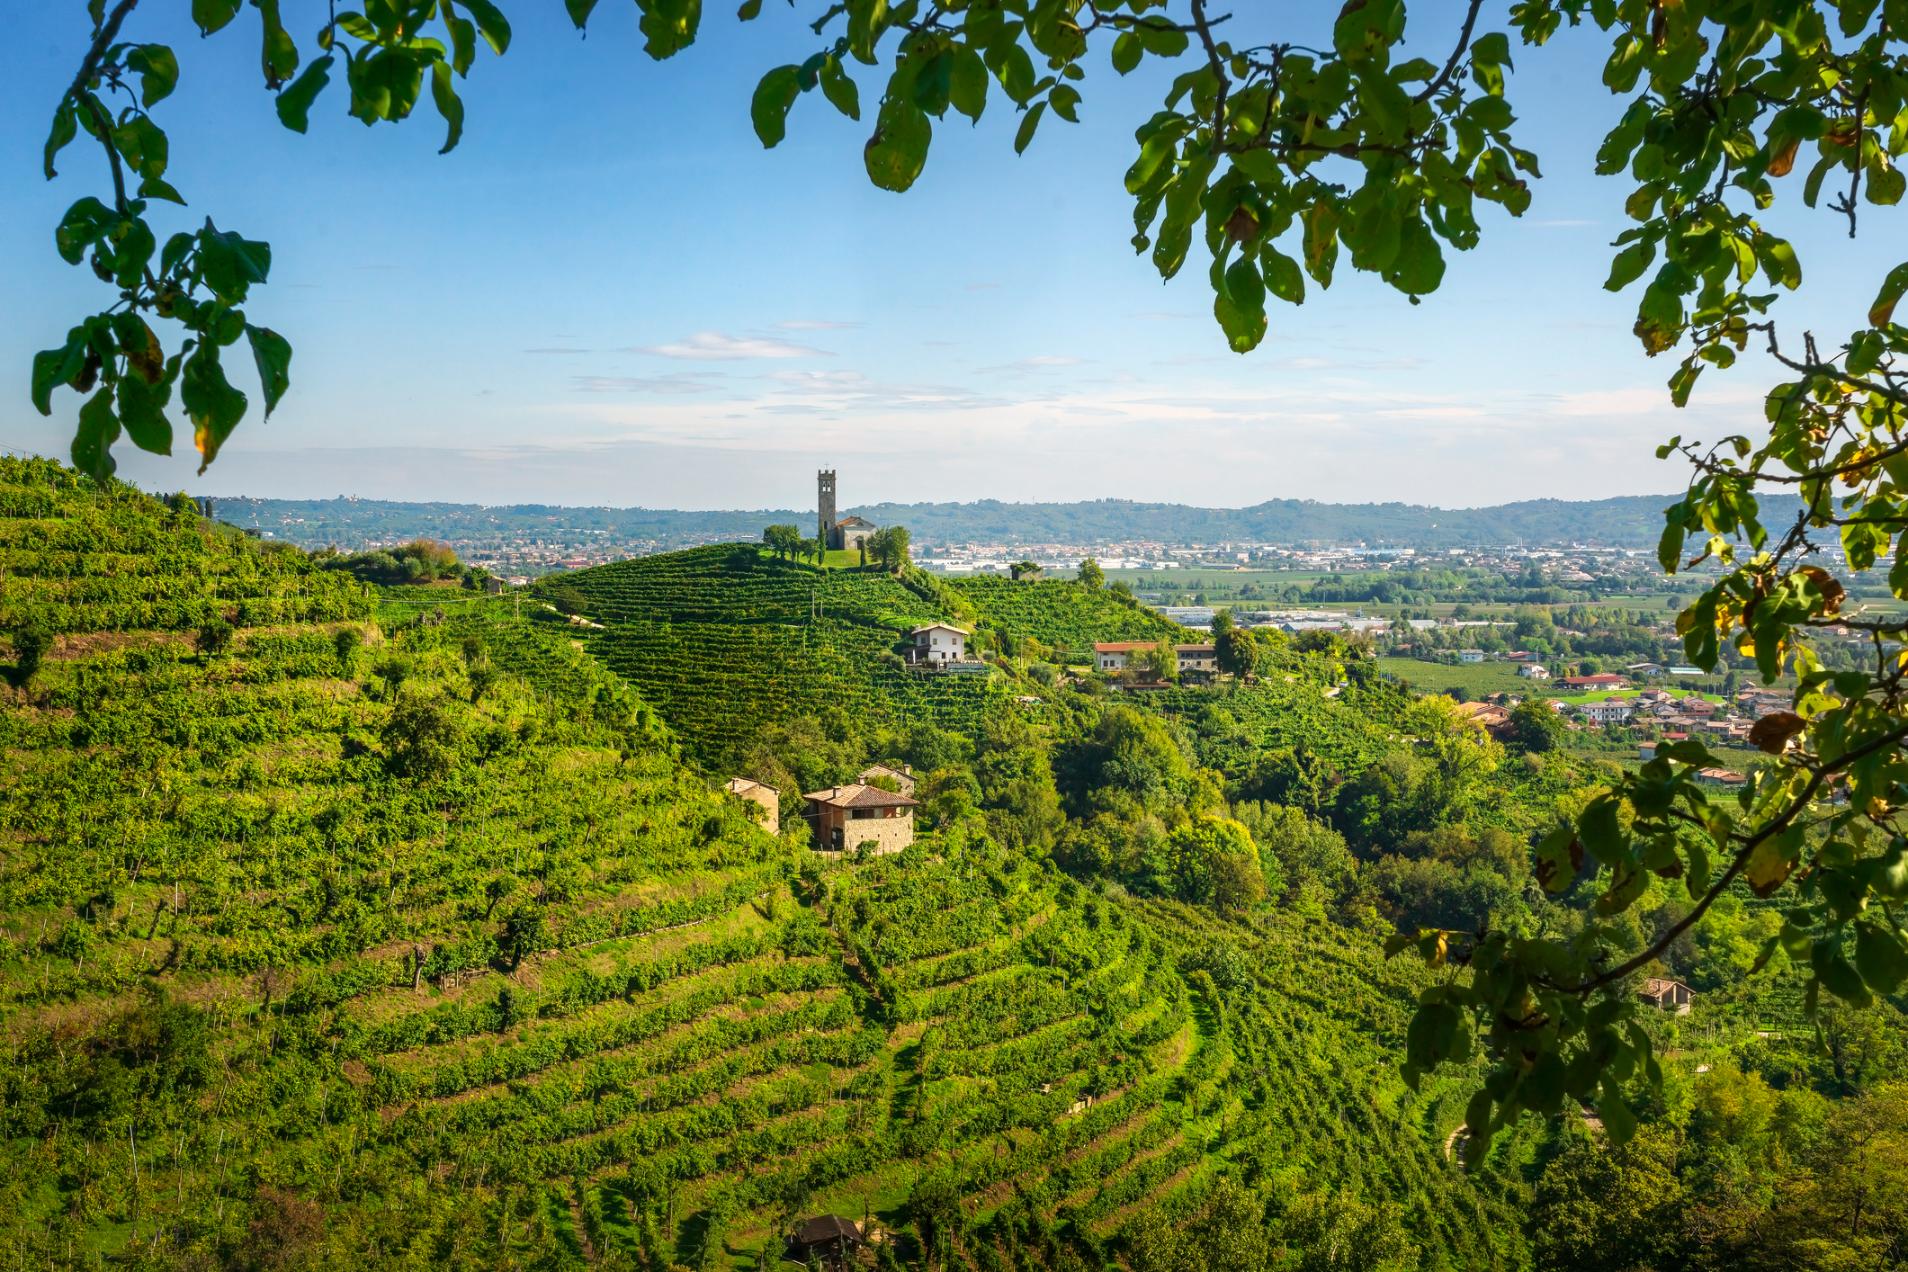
725	642
347	944
74	559
1062	613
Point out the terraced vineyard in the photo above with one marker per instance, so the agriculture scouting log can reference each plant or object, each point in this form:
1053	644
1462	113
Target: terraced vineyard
74	559
1277	713
725	642
1063	613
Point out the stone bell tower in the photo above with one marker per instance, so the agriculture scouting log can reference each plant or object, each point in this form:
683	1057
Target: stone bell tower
825	507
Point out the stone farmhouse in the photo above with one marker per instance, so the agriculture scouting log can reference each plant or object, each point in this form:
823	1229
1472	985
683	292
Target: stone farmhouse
1117	655
850	533
843	818
903	777
1671	995
767	801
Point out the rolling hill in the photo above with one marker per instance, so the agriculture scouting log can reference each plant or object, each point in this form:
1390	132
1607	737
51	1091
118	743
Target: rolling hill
423	940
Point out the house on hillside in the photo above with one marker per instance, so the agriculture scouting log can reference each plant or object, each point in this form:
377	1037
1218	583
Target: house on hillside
1197	660
1470	656
903	777
1644	670
826	1241
1117	655
938	643
1534	671
1670	995
1488	716
1609	711
1719	777
842	818
1603	680
767	801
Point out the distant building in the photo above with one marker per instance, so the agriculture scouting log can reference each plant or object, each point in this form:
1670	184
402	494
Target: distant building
1116	655
1646	751
1719	777
1644	670
1470	655
1534	671
767	800
1604	680
831	530
851	533
938	643
493	586
1670	995
1686	671
903	777
826	1241
1486	715
1609	711
845	817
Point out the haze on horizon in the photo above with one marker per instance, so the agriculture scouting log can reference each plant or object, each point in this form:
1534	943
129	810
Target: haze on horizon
610	295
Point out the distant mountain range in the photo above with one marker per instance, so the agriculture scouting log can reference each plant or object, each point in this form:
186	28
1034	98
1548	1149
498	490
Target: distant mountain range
1628	521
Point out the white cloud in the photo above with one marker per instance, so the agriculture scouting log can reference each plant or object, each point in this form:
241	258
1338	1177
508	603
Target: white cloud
716	346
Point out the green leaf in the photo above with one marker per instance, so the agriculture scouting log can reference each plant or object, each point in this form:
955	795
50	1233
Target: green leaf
142	411
768	109
1629	265
54	367
272	354
230	262
158	72
1880	314
210	15
278	52
214	406
967	83
93	439
1023	136
839	89
65	128
294	102
1283	277
896	153
1601	831
1618	1122
1127	51
1834	972
579	11
449	105
1880	957
492	25
1419	265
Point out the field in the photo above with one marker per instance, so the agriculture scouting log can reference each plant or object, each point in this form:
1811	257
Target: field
1475	680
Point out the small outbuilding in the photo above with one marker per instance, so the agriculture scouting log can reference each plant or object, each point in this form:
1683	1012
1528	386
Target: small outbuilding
902	777
1670	995
827	1240
767	801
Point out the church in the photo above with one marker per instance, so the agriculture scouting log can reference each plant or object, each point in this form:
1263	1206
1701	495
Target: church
851	532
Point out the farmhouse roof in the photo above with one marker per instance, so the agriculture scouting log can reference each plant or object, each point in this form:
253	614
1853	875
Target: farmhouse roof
743	785
860	795
939	627
825	1228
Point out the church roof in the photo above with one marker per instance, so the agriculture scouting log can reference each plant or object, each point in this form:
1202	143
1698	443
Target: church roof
854	521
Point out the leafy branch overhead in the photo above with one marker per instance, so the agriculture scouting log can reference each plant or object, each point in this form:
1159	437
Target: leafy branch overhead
1280	151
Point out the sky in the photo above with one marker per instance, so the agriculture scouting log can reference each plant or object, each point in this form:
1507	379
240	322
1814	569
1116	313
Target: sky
609	293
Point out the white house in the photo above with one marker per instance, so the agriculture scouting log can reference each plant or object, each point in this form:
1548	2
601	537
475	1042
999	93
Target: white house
1609	711
938	643
1534	671
1470	655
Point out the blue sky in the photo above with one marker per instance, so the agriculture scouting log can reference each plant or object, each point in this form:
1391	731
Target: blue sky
609	293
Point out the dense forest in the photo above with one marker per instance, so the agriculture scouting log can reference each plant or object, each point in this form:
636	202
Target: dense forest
348	925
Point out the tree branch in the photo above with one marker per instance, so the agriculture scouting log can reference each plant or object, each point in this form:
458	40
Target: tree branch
102	40
1457	54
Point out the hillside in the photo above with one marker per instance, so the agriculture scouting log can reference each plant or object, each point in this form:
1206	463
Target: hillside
1627	521
332	943
1063	614
726	643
